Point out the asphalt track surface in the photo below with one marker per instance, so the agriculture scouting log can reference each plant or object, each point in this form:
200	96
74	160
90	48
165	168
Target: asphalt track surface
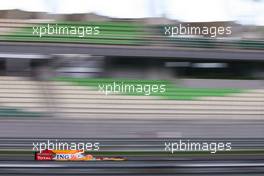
241	167
133	135
131	128
133	51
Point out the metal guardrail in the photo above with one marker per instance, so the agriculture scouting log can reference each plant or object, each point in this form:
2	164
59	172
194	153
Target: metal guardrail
131	144
160	168
133	51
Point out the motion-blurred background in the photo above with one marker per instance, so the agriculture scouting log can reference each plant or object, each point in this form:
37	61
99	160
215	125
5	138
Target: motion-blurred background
215	88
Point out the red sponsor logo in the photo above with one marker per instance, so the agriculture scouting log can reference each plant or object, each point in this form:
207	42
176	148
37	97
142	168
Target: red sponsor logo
45	155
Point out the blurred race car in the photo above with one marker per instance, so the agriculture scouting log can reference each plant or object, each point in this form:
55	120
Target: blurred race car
71	155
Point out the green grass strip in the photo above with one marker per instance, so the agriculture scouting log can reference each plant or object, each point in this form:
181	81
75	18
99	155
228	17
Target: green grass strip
172	92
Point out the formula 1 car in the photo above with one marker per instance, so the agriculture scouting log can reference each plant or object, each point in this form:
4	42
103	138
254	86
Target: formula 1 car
71	155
